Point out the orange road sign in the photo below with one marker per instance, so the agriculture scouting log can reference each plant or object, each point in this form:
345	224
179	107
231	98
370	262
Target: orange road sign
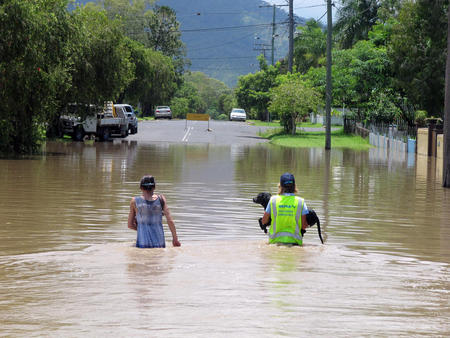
197	117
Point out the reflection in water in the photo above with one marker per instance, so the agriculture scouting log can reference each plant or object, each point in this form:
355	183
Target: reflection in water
68	265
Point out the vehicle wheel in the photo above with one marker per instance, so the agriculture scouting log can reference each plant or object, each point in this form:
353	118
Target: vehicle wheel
105	134
78	134
134	130
170	118
124	133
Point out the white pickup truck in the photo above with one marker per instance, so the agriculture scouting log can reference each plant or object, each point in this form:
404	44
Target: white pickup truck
108	123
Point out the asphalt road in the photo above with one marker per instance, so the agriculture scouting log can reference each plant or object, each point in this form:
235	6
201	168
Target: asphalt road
192	132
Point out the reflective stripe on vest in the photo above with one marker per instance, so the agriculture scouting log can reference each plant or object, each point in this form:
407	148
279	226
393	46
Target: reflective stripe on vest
274	211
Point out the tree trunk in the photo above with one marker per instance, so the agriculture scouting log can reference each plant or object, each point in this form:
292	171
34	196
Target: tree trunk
446	169
294	127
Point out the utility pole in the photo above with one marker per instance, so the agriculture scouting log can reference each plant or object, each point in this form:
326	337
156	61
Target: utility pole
291	35
273	35
263	47
273	29
328	85
446	162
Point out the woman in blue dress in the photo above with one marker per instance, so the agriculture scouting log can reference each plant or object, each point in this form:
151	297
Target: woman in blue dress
146	217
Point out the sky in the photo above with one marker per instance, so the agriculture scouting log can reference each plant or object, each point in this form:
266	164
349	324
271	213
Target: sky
303	8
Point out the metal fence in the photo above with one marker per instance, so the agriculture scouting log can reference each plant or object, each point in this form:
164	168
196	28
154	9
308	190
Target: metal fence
397	137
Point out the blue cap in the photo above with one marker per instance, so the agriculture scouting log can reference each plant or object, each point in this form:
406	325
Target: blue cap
287	179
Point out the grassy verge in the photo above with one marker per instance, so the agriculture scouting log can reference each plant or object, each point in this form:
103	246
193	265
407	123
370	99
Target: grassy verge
276	123
317	139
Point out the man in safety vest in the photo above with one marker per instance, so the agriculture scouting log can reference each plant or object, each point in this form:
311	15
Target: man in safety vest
287	213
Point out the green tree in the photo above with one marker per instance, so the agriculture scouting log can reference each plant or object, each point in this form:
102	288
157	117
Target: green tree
101	67
252	91
209	89
309	46
357	74
131	14
187	100
293	99
226	103
417	52
35	59
355	19
155	80
163	34
180	107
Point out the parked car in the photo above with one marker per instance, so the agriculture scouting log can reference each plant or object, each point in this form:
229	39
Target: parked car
163	112
131	116
238	114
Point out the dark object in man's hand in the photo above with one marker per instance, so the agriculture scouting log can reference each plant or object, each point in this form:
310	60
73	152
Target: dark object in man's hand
312	219
263	198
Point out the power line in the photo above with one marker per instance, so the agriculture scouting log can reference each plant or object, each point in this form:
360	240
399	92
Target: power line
322	16
224	58
312	6
223	28
222	44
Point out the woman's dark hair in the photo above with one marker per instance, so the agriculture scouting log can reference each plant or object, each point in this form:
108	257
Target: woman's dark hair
147	182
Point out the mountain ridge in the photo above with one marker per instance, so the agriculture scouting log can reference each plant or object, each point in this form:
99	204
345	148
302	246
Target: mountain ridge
224	37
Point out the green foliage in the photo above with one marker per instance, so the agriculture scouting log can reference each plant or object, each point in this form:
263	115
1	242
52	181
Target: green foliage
356	74
35	49
155	79
226	103
211	91
51	57
214	114
222	117
418	53
102	68
163	34
293	99
187	100
179	107
309	46
382	108
131	14
420	118
252	91
355	19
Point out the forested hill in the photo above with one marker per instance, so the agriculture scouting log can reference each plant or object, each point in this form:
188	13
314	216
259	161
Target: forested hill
221	35
222	52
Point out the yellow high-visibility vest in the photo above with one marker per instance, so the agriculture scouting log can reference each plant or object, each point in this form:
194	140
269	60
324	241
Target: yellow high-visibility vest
286	214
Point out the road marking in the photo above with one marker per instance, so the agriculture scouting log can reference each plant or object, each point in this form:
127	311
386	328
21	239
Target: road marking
187	134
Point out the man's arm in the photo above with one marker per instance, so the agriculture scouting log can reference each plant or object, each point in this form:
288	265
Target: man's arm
304	222
132	224
266	218
171	223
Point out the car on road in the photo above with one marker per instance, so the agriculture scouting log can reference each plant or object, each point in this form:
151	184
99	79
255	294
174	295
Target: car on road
163	112
131	117
238	114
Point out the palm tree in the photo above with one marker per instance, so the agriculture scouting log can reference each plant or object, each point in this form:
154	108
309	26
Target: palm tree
355	19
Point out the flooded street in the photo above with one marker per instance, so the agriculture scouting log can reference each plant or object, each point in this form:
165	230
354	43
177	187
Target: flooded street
68	266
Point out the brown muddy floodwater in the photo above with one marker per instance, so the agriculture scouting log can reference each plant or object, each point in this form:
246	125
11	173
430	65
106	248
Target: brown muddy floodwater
68	266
